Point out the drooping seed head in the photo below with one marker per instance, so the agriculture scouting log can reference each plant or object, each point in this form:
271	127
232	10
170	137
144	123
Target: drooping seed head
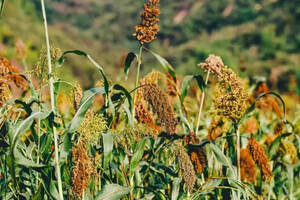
248	166
160	106
83	169
186	167
259	156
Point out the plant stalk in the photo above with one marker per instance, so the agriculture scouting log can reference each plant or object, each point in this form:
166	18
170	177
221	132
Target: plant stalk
202	103
139	59
238	149
51	81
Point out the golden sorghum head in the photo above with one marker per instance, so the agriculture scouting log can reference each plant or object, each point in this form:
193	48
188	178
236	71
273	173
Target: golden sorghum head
259	156
288	152
41	69
198	157
12	73
83	169
248	166
91	127
77	95
160	106
148	29
144	116
231	97
5	93
186	167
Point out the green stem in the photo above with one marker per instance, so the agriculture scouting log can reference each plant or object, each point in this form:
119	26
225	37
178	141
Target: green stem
51	81
139	59
238	149
201	103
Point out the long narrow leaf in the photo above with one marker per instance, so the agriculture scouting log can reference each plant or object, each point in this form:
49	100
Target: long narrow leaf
2	7
85	104
107	148
112	192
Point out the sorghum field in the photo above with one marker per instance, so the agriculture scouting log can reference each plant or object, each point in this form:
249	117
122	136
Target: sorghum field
163	135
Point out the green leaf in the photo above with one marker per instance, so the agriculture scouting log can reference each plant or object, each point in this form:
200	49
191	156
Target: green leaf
223	159
2	7
82	53
85	104
126	93
186	85
20	159
53	190
62	58
24	125
276	143
107	148
130	57
164	63
137	156
38	194
175	188
112	192
66	147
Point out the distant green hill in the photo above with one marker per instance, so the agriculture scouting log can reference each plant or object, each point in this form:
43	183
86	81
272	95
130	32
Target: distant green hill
252	36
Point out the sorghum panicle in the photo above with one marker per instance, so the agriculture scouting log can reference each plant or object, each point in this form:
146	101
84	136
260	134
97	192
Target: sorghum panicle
11	73
144	116
148	29
248	166
259	156
77	94
160	106
92	126
83	169
5	93
41	69
198	157
186	168
231	97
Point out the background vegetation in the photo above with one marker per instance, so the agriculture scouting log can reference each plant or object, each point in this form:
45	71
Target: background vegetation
258	37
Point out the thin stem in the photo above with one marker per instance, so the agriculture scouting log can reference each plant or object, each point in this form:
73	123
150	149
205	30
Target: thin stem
51	81
238	149
202	103
139	59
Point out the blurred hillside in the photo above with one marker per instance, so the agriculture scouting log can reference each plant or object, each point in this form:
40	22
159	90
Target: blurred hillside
255	37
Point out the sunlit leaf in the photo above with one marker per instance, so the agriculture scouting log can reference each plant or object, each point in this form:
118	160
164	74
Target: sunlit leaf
107	148
137	156
85	104
112	192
